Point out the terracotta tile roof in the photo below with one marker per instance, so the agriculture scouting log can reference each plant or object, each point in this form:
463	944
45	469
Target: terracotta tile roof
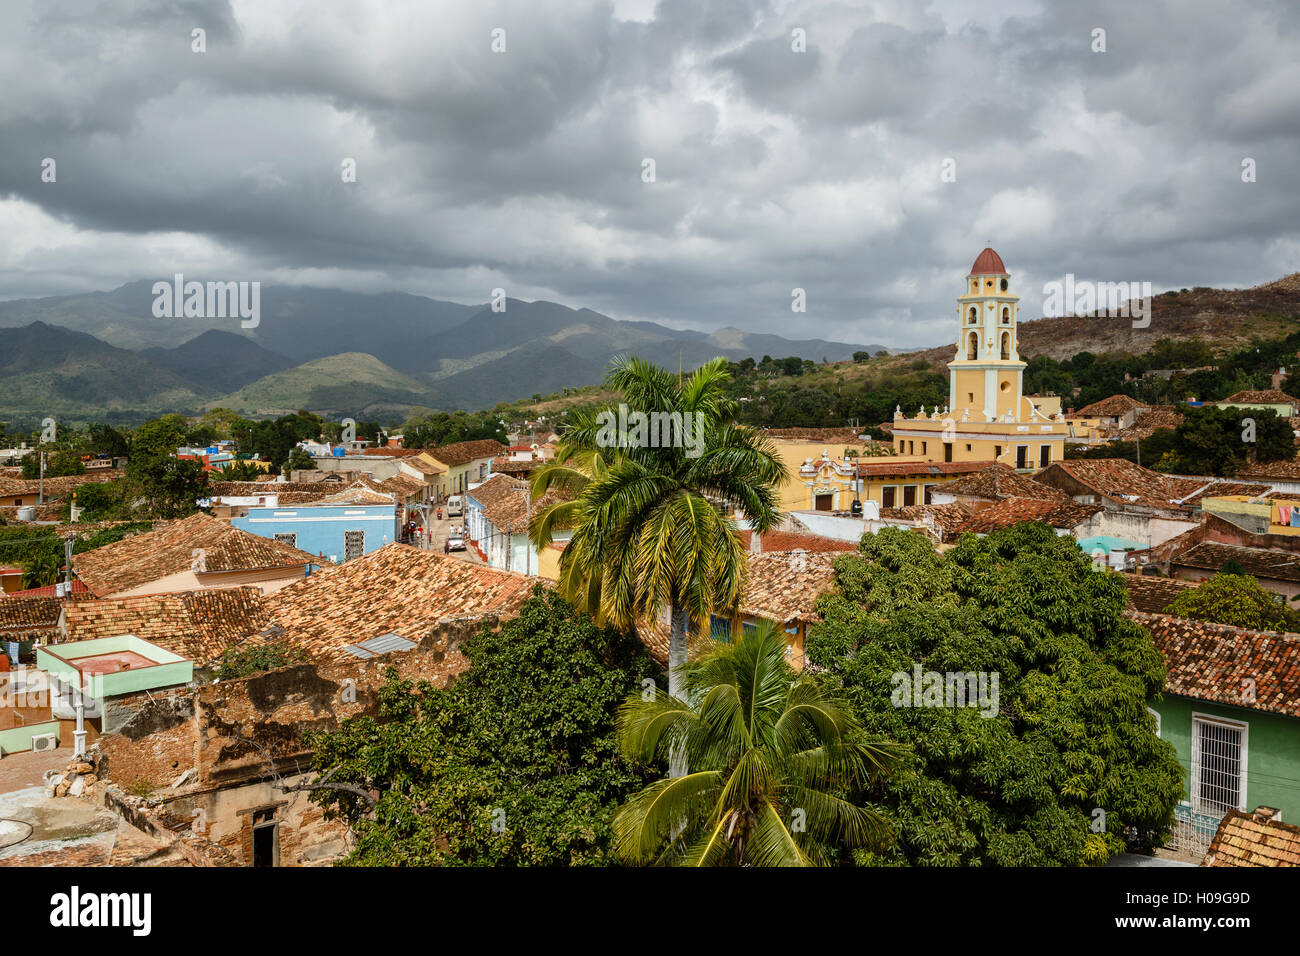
257	489
357	494
463	452
403	486
1272	471
1148	423
143	558
794	541
394	589
780	586
1150	593
947	521
1218	488
1254	839
784	586
424	467
48	511
1123	482
29	618
1216	662
52	590
1259	562
884	468
195	624
1266	396
1058	514
504	466
505	501
59	487
1115	406
998	481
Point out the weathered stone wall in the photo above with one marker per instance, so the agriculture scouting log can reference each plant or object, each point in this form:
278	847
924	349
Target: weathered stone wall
224	752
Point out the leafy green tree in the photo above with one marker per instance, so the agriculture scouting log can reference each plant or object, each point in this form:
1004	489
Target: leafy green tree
57	464
646	536
170	485
426	429
104	501
41	569
770	754
241	471
106	440
1212	440
300	460
516	764
1236	599
1059	764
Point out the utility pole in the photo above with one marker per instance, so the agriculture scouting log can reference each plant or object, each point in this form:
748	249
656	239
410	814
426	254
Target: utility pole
67	561
40	489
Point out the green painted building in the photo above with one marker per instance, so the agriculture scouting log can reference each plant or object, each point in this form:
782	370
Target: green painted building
1231	709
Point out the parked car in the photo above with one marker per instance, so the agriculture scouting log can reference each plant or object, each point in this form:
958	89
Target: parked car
456	542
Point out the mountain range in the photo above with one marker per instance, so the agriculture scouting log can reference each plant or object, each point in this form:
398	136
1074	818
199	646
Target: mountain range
104	354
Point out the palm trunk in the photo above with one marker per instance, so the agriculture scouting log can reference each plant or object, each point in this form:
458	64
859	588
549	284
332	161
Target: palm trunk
676	659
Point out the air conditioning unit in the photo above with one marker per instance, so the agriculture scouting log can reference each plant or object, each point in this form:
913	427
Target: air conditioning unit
42	742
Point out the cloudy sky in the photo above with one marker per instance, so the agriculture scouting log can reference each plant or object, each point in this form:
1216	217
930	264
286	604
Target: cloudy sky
774	169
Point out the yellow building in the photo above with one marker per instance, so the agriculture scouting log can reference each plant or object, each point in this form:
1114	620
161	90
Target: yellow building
988	416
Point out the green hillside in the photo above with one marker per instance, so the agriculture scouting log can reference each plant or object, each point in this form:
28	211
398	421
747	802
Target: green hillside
348	383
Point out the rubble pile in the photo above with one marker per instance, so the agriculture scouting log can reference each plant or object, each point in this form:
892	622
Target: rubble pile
79	779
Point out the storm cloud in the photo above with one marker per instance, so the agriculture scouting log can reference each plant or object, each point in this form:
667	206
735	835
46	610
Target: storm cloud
775	169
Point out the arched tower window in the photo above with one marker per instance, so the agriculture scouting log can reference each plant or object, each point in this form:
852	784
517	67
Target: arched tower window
1006	316
1004	285
1006	345
972	313
972	345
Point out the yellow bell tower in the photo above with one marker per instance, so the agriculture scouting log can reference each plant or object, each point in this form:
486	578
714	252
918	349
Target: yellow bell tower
986	375
988	417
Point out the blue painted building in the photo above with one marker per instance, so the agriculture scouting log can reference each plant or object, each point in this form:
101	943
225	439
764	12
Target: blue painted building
337	532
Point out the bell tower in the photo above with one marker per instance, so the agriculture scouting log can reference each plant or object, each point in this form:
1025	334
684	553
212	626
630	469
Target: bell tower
985	377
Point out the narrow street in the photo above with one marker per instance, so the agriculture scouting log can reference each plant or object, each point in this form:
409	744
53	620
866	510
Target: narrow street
440	529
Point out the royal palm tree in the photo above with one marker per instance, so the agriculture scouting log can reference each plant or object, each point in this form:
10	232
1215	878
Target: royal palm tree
769	754
646	533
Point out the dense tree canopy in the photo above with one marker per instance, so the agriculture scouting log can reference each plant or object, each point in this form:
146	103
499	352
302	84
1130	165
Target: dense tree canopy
425	429
1067	769
1220	441
517	764
1236	599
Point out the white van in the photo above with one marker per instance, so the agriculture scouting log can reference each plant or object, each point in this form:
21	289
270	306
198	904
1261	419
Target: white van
455	506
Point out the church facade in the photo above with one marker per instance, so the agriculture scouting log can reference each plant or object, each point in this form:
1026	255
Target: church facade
988	416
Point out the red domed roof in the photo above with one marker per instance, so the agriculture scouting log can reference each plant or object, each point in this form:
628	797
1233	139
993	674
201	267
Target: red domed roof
988	263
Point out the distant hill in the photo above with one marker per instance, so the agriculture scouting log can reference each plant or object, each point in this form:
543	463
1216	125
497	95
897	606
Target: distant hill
301	323
50	371
218	362
337	385
1226	319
